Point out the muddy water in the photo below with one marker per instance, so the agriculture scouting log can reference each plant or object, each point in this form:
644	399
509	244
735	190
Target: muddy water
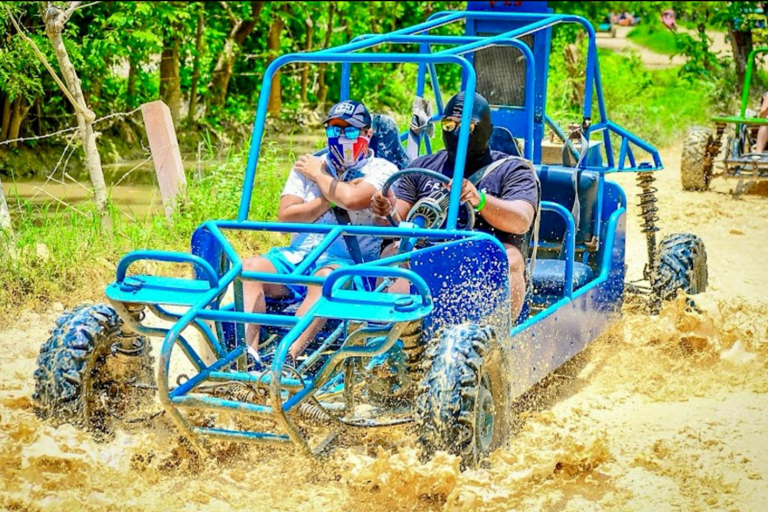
132	184
662	413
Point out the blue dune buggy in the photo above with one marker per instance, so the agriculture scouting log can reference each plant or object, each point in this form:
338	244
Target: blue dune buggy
445	356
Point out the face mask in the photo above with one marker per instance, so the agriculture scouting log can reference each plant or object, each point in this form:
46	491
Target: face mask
346	153
477	149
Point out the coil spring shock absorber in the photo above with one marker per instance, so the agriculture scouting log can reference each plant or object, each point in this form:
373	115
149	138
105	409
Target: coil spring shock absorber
648	217
413	346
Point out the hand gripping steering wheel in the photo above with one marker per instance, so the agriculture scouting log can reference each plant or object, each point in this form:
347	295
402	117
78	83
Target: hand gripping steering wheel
428	212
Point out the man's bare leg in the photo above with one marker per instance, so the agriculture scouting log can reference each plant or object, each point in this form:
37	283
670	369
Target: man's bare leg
762	139
255	293
313	293
516	280
399	285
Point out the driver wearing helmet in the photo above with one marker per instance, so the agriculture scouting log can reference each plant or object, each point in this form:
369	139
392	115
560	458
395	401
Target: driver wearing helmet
505	199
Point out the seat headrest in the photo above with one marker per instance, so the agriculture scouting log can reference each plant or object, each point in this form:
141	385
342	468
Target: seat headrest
502	140
385	141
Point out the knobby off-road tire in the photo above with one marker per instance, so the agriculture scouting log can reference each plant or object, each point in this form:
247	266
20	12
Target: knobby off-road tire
455	410
681	265
694	175
82	379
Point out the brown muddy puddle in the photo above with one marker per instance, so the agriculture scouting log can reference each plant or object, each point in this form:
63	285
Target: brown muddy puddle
661	413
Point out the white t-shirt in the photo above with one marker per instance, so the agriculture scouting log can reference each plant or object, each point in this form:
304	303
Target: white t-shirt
374	171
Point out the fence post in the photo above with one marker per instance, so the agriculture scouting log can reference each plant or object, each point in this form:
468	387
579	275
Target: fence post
5	214
165	154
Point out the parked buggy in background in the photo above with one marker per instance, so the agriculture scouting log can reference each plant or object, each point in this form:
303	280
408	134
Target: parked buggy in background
446	356
703	146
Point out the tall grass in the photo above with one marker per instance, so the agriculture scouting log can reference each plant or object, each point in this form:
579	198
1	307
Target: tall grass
655	37
62	255
655	104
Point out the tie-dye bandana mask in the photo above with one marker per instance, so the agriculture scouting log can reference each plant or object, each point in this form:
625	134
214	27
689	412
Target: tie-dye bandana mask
346	153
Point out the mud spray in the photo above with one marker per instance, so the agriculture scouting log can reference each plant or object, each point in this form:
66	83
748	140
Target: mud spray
661	413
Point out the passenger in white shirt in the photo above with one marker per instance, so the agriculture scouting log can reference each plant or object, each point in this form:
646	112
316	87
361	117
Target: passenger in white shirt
346	178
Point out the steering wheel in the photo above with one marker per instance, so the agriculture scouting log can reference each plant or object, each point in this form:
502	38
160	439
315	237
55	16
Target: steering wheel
428	212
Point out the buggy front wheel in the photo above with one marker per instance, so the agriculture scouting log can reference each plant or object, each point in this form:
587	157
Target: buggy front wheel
91	372
460	407
695	167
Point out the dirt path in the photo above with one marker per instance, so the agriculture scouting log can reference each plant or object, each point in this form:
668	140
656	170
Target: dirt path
662	413
622	44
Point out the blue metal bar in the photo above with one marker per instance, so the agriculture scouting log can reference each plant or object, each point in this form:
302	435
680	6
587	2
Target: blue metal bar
388	231
246	318
570	242
198	379
238	435
212	340
209	402
366	270
324	244
461	148
213	228
281	278
433	79
172	257
622	152
346	74
195	359
275	386
261	111
422	75
261	380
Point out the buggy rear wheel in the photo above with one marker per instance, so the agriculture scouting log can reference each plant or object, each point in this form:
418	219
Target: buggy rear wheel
88	370
695	172
681	265
459	406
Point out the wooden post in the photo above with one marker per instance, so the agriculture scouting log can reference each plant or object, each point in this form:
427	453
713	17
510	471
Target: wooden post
5	214
165	154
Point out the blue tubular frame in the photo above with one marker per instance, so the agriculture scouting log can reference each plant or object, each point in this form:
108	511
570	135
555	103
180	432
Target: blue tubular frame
530	64
540	21
173	399
403	58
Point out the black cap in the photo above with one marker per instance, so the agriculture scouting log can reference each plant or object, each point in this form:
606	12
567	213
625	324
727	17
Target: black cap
352	112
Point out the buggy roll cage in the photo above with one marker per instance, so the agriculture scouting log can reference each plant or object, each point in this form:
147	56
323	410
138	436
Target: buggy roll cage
348	54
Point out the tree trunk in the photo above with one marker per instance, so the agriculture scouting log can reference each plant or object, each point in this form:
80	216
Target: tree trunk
5	214
273	49
305	69
322	90
196	65
95	91
741	43
39	114
6	123
225	64
429	8
132	72
19	111
54	24
372	14
170	81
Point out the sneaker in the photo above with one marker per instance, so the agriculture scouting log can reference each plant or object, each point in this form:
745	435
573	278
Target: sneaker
254	364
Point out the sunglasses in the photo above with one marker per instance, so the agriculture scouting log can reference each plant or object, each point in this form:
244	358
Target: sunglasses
350	132
450	125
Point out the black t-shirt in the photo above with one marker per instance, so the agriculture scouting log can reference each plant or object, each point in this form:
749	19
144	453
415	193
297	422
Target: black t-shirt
512	180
